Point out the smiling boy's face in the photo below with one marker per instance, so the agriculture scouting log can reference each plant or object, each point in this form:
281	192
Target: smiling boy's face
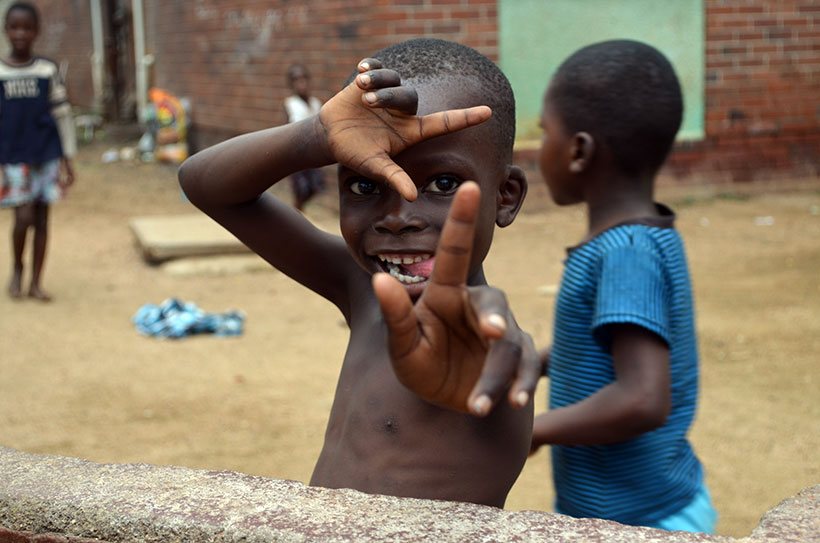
386	233
21	29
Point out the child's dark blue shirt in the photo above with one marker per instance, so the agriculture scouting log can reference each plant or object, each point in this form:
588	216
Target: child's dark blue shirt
636	274
28	95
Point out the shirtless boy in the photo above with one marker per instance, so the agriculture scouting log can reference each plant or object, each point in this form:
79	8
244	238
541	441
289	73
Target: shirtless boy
433	399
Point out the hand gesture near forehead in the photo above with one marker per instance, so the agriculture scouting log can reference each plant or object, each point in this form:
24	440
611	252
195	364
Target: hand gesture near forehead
374	118
458	346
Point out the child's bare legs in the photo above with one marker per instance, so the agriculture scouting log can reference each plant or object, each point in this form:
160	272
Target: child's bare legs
23	220
39	252
33	215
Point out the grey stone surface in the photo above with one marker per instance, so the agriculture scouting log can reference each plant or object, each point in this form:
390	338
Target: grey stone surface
216	265
173	236
80	500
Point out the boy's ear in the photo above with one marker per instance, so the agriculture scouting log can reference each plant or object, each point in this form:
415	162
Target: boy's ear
581	152
510	196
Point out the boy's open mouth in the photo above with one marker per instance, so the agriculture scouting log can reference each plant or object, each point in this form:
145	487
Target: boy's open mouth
408	268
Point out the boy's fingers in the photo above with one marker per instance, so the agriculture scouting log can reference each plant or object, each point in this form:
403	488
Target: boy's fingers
529	372
397	309
455	245
381	166
490	307
378	79
404	100
452	120
499	369
369	64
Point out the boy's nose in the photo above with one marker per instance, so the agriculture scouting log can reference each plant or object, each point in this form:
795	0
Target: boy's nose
401	218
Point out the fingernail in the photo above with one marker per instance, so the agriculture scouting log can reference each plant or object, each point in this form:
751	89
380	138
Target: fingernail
522	398
365	65
370	97
365	79
497	321
482	405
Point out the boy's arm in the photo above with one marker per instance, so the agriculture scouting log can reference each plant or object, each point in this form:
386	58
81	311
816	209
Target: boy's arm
637	402
458	347
229	182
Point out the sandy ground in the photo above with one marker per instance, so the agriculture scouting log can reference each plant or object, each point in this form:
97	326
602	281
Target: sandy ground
76	378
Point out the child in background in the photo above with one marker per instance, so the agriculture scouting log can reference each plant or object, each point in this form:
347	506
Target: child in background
298	107
37	140
432	349
623	366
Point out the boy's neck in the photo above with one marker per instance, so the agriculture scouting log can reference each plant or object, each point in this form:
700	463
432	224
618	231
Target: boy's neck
614	200
19	58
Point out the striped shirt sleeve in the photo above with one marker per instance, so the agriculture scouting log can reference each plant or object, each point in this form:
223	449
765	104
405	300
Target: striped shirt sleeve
632	290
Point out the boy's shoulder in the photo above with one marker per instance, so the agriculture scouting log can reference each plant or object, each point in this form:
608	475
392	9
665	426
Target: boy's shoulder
43	67
46	60
622	247
638	232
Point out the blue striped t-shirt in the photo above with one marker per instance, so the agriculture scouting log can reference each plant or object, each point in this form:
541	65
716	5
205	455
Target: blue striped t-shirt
636	274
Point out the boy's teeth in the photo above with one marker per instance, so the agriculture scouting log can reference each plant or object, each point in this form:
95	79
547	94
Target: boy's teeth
409	279
394	262
406	259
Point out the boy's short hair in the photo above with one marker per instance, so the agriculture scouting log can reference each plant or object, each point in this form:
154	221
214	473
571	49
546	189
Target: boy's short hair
425	59
626	95
24	6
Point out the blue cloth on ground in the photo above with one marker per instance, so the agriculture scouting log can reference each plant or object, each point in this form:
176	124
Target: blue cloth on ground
174	318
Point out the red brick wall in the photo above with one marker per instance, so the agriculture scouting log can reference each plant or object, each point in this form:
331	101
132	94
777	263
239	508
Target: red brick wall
762	91
230	58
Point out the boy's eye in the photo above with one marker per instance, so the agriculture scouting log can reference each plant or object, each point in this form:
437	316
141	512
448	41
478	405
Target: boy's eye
445	184
363	186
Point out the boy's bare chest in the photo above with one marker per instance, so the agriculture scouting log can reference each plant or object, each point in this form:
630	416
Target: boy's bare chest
371	405
383	438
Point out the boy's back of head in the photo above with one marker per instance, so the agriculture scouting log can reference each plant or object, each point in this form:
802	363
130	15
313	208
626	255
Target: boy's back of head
627	96
443	64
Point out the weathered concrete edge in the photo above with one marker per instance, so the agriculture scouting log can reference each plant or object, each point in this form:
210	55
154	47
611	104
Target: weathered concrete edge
68	499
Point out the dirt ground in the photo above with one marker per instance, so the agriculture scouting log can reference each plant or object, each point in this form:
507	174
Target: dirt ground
77	379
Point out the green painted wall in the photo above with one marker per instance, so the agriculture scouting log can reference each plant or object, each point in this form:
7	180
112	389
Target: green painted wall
537	35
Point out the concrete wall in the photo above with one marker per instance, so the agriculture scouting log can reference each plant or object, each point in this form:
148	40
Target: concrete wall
54	499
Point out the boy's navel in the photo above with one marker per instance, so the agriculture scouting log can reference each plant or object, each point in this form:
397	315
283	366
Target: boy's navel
391	426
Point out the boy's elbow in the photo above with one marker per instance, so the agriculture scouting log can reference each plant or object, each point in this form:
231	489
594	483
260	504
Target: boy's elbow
650	411
184	173
187	176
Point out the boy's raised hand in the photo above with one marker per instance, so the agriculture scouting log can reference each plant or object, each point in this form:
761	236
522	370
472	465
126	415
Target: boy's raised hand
374	118
458	346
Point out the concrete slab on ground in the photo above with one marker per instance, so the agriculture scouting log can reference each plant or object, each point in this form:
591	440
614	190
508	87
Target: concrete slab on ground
162	238
216	265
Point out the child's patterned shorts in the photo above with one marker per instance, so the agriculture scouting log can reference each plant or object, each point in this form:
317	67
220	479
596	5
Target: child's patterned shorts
26	183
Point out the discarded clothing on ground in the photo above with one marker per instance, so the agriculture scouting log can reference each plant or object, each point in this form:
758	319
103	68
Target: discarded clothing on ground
174	318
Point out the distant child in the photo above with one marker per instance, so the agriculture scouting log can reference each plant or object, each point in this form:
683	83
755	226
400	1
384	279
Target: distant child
37	140
299	106
623	367
432	349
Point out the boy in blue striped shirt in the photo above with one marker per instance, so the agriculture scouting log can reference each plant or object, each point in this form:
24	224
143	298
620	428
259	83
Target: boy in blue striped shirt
623	366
